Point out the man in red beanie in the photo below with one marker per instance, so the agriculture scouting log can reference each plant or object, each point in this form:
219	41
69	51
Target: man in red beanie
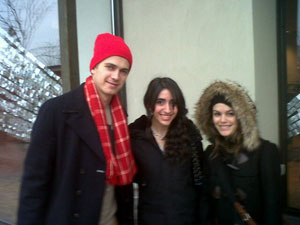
80	150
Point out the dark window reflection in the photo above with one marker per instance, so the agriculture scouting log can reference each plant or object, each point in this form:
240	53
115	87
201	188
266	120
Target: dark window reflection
29	75
293	108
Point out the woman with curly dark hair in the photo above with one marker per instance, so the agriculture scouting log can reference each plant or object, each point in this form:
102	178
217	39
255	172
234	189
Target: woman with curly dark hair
168	151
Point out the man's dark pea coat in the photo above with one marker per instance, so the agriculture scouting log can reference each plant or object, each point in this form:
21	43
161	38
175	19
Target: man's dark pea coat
64	172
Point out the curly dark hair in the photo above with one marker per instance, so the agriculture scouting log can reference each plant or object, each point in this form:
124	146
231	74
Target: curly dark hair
178	143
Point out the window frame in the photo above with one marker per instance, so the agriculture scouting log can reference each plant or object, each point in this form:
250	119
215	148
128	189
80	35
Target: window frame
283	98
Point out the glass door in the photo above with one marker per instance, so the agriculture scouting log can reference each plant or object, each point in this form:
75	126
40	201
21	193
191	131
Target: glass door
292	96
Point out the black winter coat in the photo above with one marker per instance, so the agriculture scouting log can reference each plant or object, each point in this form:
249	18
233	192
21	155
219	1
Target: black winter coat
254	171
167	191
258	182
64	172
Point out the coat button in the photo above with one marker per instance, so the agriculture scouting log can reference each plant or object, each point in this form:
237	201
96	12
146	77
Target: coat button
78	192
76	215
82	171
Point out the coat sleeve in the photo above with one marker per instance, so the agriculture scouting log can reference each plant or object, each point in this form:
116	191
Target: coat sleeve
205	206
125	200
270	180
38	169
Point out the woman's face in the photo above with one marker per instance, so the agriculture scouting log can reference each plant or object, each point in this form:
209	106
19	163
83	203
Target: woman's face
164	110
224	119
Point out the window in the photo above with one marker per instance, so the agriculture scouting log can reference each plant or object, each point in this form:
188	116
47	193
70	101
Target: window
289	84
29	75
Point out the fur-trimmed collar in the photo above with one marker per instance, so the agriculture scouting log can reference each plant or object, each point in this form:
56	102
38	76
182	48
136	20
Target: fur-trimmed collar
242	105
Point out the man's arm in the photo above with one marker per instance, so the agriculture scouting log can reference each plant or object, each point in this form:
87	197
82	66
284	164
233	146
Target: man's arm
38	170
126	204
270	178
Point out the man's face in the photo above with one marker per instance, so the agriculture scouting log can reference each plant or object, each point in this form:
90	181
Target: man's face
109	76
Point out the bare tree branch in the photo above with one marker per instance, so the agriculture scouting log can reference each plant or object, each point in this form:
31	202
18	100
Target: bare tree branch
21	20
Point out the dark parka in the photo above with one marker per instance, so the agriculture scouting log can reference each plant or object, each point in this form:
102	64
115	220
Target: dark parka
167	191
64	172
253	174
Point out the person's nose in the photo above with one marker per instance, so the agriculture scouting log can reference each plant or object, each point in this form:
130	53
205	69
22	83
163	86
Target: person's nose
168	108
115	75
223	118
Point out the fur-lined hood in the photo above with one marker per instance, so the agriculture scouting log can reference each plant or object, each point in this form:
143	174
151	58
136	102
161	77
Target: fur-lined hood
242	105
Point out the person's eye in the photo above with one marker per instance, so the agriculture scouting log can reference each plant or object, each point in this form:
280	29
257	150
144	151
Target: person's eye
109	67
216	114
125	72
159	102
173	103
231	114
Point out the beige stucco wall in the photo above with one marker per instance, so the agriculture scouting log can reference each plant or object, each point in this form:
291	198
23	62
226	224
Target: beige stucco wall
265	68
197	41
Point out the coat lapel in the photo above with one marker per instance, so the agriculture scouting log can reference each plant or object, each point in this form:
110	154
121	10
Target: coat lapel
80	120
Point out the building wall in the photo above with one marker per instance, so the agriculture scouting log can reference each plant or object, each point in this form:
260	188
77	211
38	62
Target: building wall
194	42
265	67
198	41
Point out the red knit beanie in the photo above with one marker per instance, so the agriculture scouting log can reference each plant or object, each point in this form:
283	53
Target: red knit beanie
107	45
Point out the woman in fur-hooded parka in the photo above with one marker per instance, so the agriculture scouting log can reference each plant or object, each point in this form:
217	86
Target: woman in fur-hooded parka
242	167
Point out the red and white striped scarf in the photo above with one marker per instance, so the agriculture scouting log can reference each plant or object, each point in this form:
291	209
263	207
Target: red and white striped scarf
120	167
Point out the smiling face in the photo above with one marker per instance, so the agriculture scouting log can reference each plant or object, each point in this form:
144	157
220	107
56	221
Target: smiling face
109	76
224	119
165	110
